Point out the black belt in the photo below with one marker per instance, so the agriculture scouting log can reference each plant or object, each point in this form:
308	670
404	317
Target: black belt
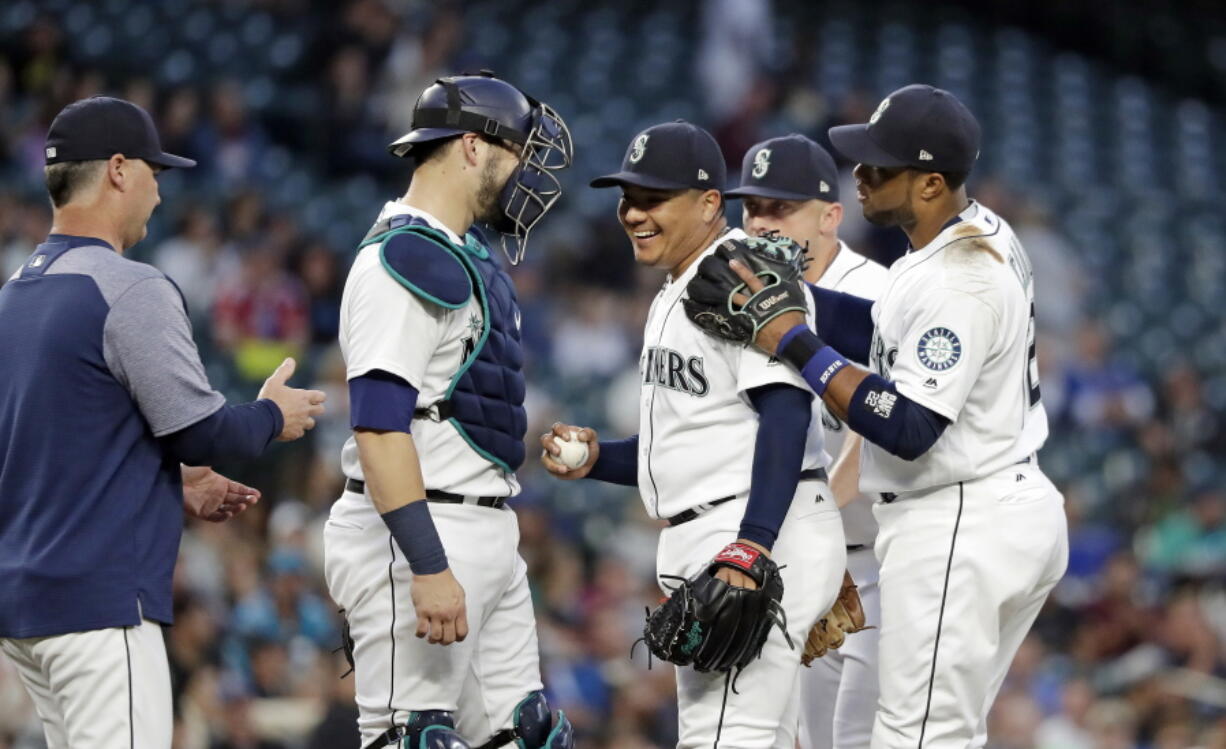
814	474
888	497
855	547
437	495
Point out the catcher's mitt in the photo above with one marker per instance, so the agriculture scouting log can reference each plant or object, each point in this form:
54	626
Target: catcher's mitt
714	626
844	618
778	261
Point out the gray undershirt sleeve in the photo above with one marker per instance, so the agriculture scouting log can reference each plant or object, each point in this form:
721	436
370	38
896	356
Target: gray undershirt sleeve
148	346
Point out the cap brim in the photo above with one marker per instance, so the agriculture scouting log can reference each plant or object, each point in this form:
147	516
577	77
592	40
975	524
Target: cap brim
761	191
402	145
855	144
618	179
170	161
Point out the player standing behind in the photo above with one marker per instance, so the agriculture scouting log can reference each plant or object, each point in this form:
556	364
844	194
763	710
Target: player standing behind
421	551
973	535
727	452
790	185
102	397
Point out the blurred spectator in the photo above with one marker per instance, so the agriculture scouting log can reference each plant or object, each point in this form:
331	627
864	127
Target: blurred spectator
197	260
1100	392
234	141
286	607
317	267
260	315
1069	728
1191	539
23	225
338	727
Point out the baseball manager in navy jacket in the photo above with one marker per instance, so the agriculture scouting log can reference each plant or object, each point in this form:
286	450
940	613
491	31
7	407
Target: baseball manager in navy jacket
104	405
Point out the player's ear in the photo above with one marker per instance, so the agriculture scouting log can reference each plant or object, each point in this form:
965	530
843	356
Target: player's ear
712	205
832	217
932	185
117	172
470	144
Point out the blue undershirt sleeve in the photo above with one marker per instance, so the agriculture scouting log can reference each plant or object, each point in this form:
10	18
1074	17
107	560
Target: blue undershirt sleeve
618	462
844	321
893	422
381	401
779	451
233	432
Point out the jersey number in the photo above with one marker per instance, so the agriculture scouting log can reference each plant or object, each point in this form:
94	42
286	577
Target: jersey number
1032	362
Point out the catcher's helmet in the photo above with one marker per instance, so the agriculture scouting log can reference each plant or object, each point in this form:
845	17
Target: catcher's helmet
465	104
484	104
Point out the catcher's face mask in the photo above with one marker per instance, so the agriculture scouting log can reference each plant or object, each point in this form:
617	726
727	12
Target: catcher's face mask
533	187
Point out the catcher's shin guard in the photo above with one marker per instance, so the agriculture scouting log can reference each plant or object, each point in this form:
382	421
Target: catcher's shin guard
425	729
535	727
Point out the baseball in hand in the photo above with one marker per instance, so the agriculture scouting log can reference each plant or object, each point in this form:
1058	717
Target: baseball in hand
573	453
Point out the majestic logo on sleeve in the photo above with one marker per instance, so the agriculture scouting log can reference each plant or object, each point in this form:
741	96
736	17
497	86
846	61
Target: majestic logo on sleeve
667	368
761	163
939	349
638	148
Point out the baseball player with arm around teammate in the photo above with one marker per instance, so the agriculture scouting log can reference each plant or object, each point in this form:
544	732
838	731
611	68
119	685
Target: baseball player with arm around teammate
727	453
790	185
103	398
421	551
972	534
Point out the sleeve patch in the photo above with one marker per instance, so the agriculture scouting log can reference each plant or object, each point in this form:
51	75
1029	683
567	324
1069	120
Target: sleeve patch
939	349
427	269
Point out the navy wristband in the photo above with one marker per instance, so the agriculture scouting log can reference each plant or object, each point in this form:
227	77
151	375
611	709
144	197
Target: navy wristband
797	348
413	528
821	369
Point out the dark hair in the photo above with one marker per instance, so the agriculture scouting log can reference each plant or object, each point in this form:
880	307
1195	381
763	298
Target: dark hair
954	180
432	149
67	177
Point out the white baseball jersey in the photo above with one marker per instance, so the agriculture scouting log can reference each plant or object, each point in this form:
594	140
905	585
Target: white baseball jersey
850	273
955	332
696	425
384	326
480	680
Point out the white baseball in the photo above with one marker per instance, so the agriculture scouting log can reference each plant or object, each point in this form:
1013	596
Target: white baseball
573	452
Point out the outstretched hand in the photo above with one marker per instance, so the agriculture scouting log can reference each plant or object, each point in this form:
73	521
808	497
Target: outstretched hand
210	496
298	407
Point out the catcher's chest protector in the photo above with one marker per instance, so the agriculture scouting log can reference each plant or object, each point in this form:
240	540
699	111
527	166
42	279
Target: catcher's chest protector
485	401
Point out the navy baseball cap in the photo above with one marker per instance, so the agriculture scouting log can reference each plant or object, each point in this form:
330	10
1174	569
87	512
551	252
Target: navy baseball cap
917	126
670	156
100	127
788	168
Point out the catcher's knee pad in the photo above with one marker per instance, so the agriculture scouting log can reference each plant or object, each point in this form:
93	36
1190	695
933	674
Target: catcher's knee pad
430	729
534	727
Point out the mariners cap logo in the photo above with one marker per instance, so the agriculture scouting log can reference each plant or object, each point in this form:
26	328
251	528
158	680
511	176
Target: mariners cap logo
761	163
884	105
638	148
939	349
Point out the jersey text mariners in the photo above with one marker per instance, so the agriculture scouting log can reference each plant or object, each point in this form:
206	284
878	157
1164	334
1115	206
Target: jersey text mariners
696	425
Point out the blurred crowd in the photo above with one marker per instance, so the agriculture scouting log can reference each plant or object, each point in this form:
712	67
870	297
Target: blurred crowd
1130	651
